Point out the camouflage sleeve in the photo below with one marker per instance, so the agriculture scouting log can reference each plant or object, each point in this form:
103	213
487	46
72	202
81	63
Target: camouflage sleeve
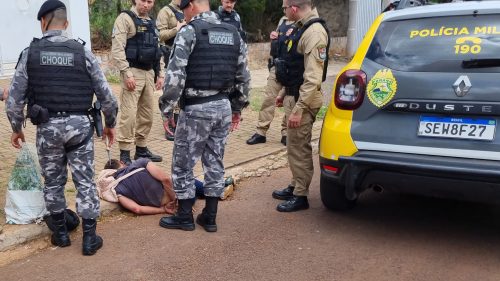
175	78
238	18
239	99
102	90
17	94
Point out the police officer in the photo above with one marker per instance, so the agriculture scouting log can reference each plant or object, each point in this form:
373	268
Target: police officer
59	77
169	21
136	52
208	72
301	71
228	15
266	114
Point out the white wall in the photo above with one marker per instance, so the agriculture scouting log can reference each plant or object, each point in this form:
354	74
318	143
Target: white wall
362	13
19	25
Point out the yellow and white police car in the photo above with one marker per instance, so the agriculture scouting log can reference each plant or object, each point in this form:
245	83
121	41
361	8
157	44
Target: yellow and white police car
416	109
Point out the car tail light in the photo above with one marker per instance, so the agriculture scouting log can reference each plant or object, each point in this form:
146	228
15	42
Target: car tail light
350	89
331	168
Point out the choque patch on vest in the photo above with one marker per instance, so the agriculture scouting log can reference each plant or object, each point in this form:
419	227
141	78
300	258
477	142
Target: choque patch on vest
220	38
382	87
57	58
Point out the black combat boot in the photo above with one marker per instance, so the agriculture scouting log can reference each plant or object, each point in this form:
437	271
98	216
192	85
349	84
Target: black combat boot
283	140
125	157
183	219
297	203
60	235
91	241
144	152
256	138
207	217
284	194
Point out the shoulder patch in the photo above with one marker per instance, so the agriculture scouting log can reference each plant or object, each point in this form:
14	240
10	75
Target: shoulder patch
322	52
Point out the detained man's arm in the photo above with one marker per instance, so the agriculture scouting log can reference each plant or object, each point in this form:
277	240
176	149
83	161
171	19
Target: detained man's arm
159	175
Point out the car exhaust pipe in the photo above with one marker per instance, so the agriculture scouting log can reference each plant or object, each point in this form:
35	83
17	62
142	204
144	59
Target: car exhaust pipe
378	188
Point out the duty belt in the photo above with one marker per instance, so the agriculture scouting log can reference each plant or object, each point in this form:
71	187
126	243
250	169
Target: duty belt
143	66
200	100
66	113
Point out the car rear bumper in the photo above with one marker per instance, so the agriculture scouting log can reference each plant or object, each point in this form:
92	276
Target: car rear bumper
447	177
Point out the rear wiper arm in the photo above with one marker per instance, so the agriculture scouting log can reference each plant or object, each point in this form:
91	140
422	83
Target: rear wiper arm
478	63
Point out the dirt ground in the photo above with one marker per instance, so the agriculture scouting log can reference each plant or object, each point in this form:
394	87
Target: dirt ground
387	237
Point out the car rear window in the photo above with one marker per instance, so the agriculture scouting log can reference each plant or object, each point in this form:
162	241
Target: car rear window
437	44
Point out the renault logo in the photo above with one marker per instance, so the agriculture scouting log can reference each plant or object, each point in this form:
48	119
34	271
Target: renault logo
462	86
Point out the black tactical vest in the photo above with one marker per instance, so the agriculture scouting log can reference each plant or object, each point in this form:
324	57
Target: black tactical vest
229	18
290	64
279	45
142	50
180	18
214	61
58	76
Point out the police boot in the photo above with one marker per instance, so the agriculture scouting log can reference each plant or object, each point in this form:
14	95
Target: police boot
125	157
144	152
256	138
284	194
207	217
60	235
183	219
295	204
91	241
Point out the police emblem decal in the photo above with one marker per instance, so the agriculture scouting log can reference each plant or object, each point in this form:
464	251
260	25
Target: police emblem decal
382	87
220	38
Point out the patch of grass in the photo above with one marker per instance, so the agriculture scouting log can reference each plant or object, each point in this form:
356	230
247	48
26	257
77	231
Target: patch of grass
113	78
321	113
256	97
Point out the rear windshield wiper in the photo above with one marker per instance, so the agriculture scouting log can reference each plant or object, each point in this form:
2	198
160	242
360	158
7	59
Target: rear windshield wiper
478	63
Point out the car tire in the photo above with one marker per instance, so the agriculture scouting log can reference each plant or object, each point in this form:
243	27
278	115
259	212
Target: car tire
333	195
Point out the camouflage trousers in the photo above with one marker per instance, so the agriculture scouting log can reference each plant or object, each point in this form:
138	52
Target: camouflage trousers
201	132
52	138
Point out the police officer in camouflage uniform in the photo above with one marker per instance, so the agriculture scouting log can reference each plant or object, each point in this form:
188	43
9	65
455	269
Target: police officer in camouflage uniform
59	77
279	39
169	21
208	72
227	14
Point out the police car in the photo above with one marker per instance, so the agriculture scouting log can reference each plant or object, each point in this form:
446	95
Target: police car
417	108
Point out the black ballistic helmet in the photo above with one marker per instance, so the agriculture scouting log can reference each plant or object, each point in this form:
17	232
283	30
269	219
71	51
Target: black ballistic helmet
72	220
50	6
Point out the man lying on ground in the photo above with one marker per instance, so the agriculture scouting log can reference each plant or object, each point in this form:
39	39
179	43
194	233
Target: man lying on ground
149	191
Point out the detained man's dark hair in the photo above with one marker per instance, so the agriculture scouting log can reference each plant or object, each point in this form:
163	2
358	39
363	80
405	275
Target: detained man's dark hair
112	164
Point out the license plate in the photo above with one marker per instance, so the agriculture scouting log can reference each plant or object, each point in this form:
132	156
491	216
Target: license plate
460	128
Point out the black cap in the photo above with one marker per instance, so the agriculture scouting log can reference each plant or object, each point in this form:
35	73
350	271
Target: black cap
49	6
184	4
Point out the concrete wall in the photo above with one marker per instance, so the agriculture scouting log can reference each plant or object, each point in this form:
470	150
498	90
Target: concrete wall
19	26
336	14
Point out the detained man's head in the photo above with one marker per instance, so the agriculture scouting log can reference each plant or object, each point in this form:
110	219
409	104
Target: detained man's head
114	164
